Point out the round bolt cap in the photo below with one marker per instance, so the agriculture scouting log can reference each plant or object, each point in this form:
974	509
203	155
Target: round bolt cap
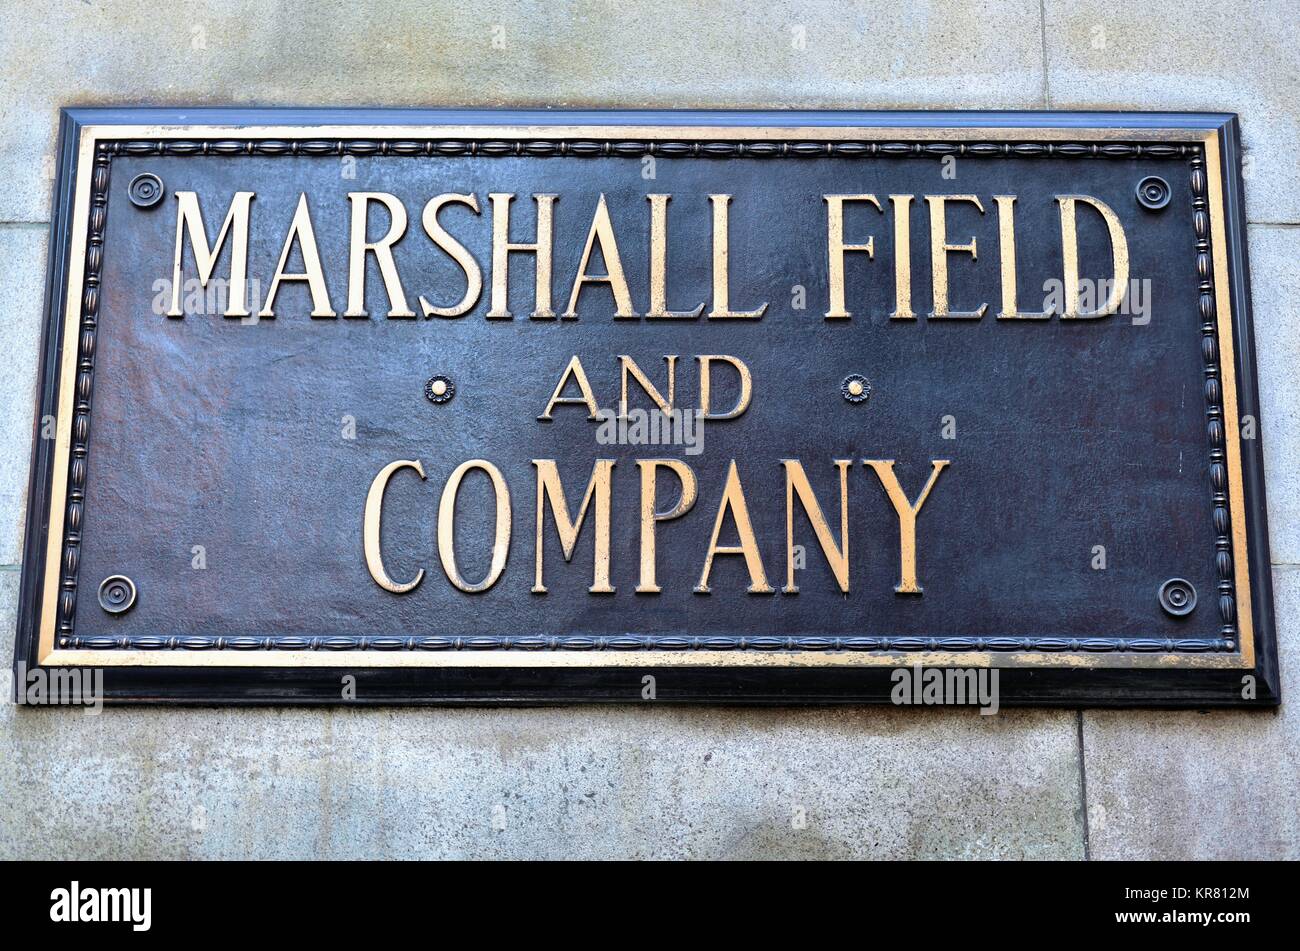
855	388
145	190
439	389
1153	193
116	594
1178	597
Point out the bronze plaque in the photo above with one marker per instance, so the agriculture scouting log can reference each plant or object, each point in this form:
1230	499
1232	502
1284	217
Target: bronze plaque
762	407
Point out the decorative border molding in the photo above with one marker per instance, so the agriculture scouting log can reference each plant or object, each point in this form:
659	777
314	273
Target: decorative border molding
1227	602
688	148
653	642
587	148
80	450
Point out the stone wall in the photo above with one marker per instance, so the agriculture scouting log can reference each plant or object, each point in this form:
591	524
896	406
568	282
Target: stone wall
645	780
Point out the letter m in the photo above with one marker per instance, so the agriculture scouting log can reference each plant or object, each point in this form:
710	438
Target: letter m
550	488
190	218
117	904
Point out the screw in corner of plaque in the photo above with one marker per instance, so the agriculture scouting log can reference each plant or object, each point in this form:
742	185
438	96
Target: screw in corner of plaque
1153	193
145	190
855	388
1178	597
439	389
117	594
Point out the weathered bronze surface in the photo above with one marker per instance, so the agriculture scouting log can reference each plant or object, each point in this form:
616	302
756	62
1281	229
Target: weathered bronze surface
370	395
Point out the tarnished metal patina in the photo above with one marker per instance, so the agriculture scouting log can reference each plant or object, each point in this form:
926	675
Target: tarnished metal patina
756	407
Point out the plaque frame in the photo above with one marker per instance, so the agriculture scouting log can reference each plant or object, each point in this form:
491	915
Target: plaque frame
1073	673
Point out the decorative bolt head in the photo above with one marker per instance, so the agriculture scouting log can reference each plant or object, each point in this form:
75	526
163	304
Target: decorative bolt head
117	594
856	388
1178	597
145	190
1153	193
439	389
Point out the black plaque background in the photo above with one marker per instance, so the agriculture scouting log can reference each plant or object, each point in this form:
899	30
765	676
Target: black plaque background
210	432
